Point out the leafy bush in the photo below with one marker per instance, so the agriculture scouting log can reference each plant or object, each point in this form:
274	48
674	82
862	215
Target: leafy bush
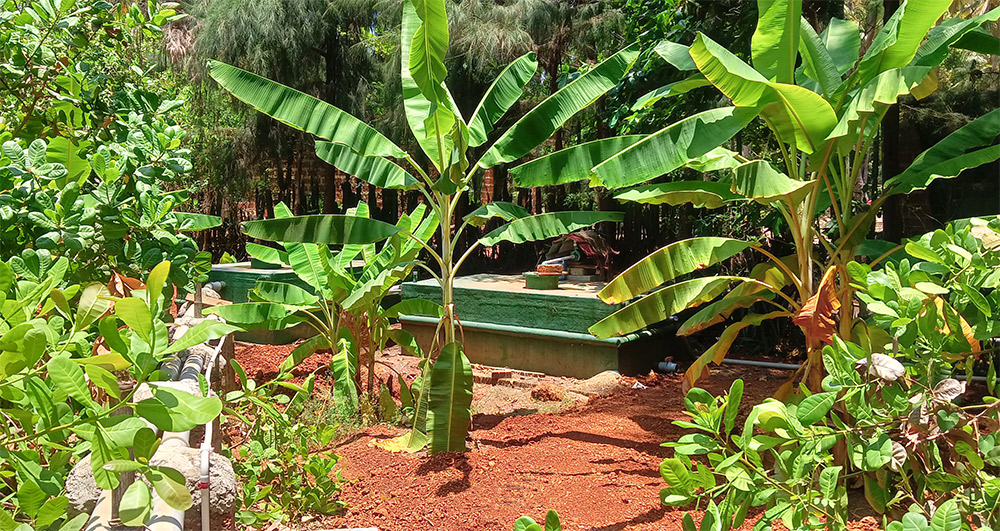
526	523
342	303
285	464
891	422
59	386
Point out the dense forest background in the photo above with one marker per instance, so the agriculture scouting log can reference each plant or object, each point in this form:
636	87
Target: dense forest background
346	52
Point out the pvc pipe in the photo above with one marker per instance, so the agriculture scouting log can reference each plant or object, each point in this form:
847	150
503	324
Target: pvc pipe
793	367
204	481
572	337
100	517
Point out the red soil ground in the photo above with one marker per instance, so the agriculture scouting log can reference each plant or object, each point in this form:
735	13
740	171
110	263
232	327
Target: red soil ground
596	465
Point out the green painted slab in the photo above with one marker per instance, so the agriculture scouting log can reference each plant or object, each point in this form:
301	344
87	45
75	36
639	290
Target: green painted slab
503	300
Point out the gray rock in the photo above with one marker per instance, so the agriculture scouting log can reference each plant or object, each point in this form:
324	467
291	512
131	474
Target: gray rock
83	492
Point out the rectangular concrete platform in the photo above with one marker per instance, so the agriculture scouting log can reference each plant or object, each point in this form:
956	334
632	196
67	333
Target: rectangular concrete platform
507	325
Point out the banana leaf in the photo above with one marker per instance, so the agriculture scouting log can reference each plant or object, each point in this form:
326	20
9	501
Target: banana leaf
571	164
504	92
545	226
450	400
328	229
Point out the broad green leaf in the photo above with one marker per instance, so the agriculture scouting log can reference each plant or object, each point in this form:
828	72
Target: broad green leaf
497	209
265	254
414	307
701	194
429	46
103	378
344	392
817	62
450	400
377	171
882	91
135	314
526	523
758	180
673	147
668	263
307	261
207	330
51	511
935	47
542	121
267	315
170	486
545	226
740	83
803	118
61	150
100	453
93	304
324	229
571	164
980	41
677	55
669	90
896	43
552	522
304	350
69	378
156	280
661	304
775	43
733	400
504	92
120	429
136	505
189	221
947	517
814	408
175	411
718	311
675	473
303	112
365	293
953	154
283	293
842	38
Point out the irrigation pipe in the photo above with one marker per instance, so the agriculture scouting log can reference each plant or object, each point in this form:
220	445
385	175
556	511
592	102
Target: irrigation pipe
206	446
794	367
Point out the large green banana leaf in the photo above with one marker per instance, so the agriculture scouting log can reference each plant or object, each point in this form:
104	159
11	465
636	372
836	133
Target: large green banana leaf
701	194
378	171
303	111
941	37
545	226
268	255
758	180
842	38
266	315
307	261
669	90
897	42
283	293
542	121
191	221
450	400
497	209
716	312
952	155
571	164
661	304
428	47
883	90
419	109
775	43
329	229
343	365
739	82
366	292
668	263
817	62
678	55
673	146
504	92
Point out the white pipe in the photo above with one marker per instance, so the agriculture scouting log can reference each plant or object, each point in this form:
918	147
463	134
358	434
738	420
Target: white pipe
793	367
204	481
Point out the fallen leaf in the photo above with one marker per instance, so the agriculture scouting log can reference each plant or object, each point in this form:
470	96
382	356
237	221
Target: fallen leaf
816	315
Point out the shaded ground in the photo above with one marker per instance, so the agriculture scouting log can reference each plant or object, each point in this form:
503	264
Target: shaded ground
595	460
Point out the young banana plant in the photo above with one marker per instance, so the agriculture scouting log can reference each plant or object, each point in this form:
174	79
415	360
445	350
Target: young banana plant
342	302
823	102
450	142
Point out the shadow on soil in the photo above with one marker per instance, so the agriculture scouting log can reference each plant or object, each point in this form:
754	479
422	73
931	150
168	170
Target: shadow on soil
444	461
652	515
648	448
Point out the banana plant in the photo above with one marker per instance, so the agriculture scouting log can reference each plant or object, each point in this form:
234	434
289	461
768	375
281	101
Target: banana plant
450	143
823	102
342	303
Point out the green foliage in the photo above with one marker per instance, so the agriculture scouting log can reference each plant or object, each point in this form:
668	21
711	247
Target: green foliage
54	416
526	523
285	465
91	160
824	117
444	138
897	423
338	298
